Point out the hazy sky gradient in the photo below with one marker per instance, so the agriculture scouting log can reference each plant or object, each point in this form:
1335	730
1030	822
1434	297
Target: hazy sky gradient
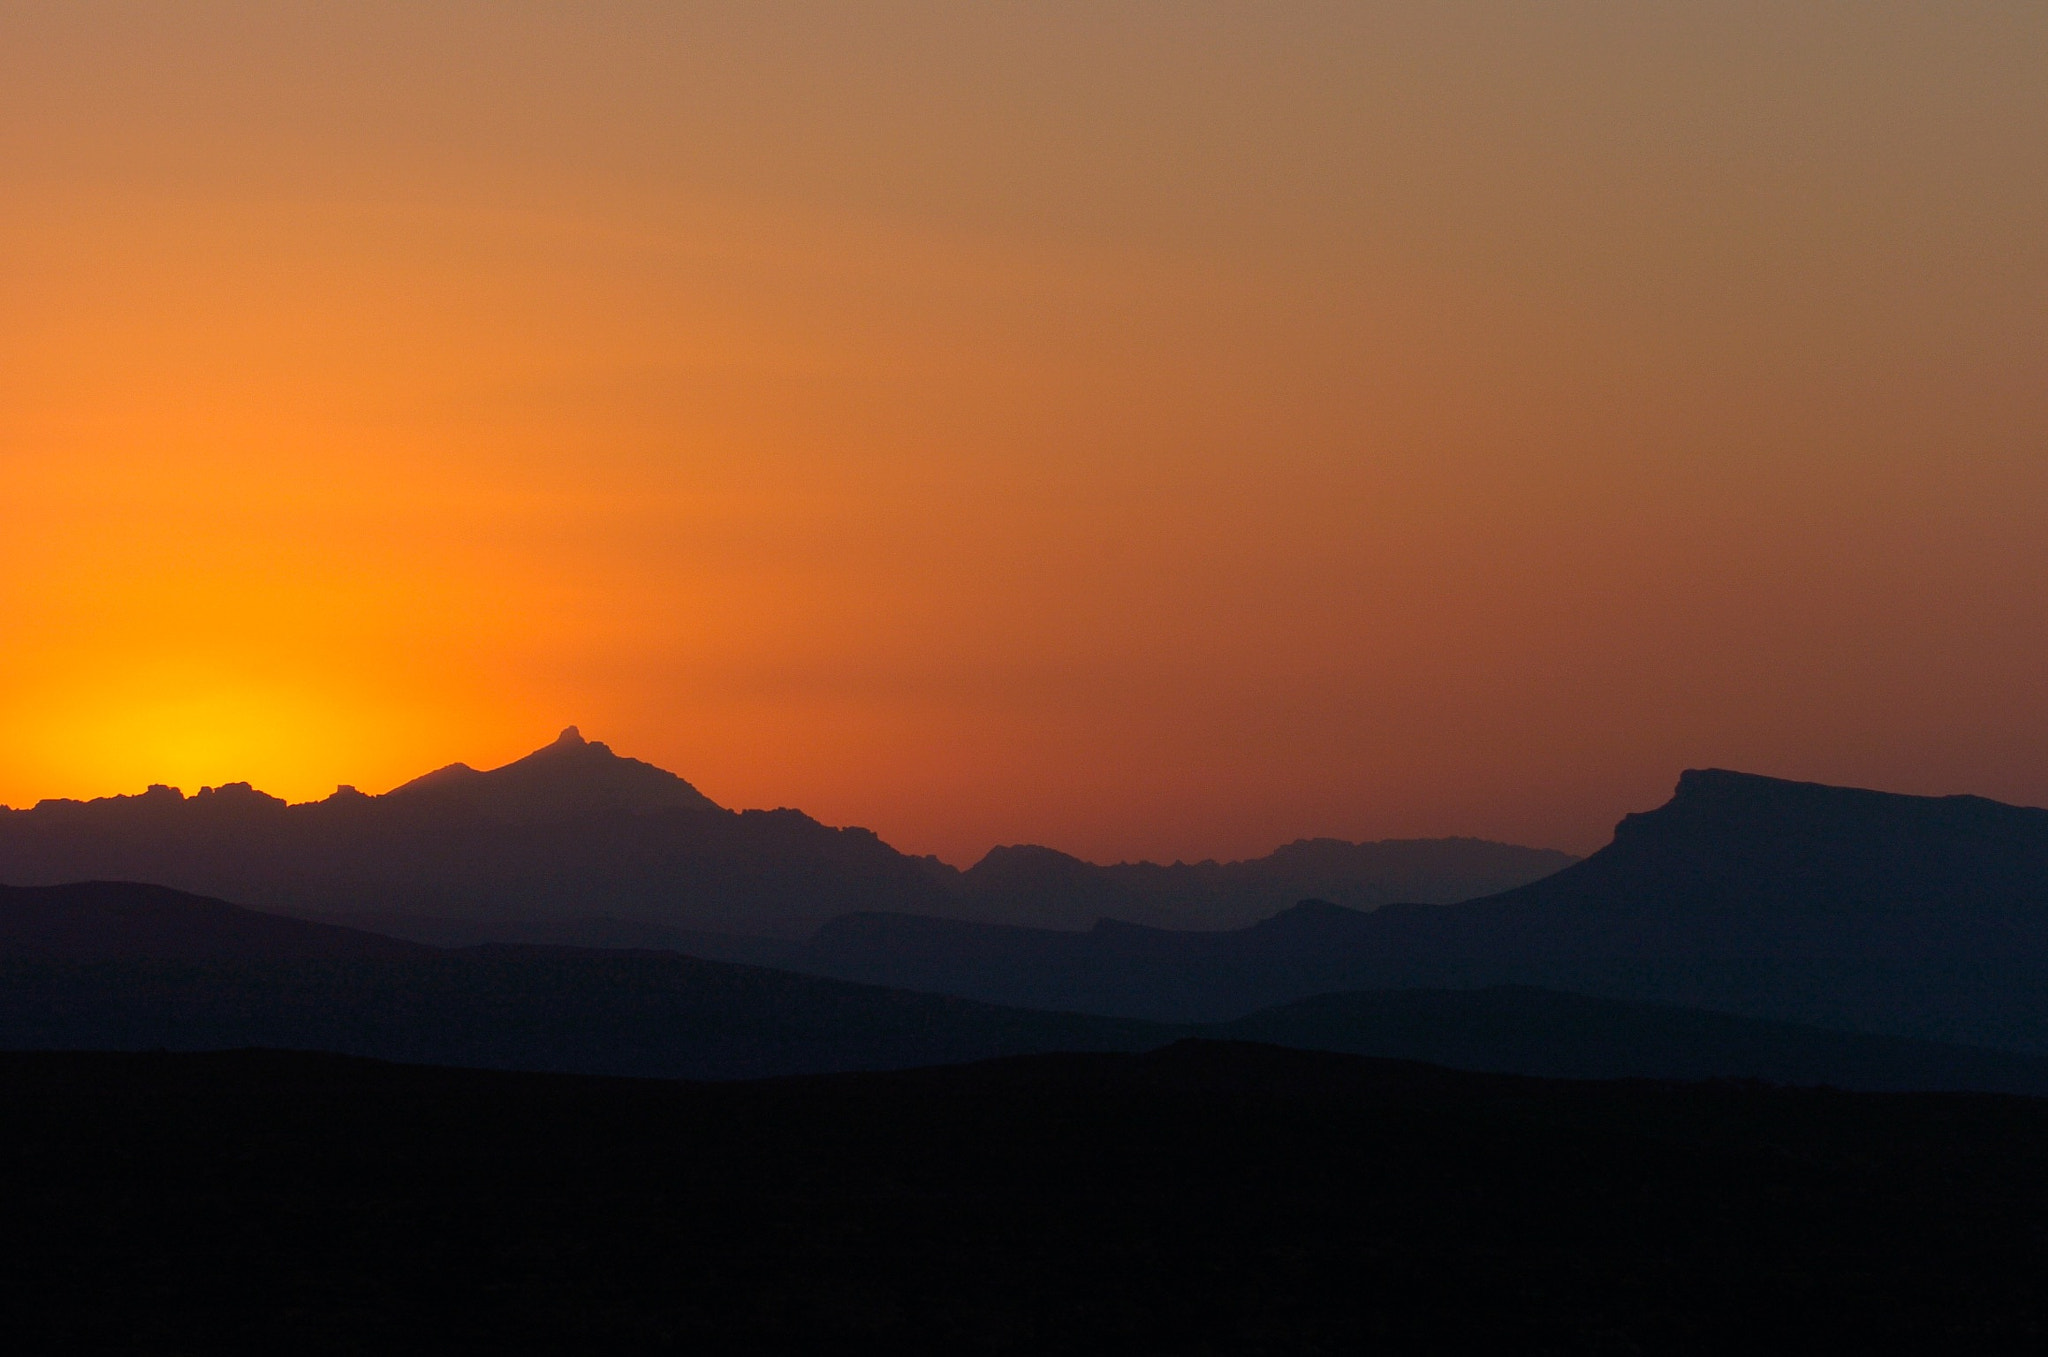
1155	430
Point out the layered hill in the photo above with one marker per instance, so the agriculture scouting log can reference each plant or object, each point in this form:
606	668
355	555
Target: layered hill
1850	908
108	966
114	966
574	833
1827	906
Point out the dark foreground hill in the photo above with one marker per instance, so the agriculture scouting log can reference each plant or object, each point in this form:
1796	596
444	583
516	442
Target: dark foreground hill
113	967
1911	915
577	841
1205	1198
1519	1029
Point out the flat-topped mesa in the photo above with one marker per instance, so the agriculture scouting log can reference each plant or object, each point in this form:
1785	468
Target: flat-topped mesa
1719	803
1743	869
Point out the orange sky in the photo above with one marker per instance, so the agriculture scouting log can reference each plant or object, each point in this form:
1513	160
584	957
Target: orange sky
1156	430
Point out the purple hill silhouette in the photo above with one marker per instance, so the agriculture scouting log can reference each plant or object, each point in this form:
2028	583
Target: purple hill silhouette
575	842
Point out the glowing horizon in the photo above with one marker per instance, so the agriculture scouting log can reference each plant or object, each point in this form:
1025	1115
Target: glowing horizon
1156	433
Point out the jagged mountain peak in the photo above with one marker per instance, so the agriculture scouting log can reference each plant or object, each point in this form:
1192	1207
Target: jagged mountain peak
568	776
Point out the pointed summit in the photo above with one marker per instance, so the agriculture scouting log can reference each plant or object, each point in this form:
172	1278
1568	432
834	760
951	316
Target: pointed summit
568	778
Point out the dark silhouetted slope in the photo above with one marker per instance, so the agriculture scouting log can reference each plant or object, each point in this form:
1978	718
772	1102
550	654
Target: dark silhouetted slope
654	1014
1204	1198
121	967
123	921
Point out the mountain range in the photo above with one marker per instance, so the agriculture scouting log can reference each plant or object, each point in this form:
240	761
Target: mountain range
575	834
1796	904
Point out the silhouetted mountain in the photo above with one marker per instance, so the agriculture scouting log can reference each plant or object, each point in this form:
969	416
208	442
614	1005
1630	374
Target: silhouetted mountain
114	966
570	831
1203	1198
570	778
574	832
1864	910
1741	866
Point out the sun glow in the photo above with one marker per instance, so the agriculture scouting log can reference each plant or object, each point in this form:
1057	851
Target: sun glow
195	725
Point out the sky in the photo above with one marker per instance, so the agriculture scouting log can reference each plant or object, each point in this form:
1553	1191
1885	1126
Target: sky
1153	430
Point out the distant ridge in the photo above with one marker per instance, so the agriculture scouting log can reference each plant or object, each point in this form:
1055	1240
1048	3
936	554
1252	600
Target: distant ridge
1042	887
575	832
